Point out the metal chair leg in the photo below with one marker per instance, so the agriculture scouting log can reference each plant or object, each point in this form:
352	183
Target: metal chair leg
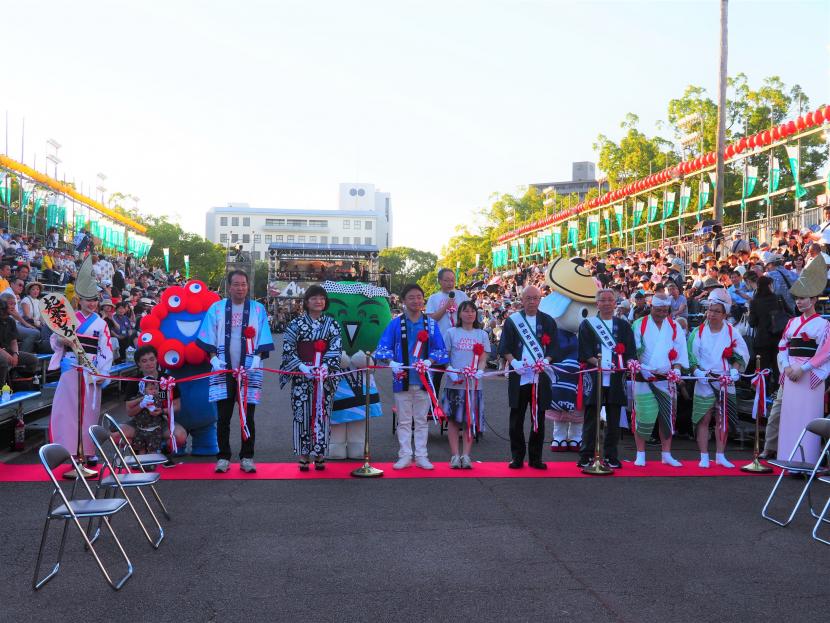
821	519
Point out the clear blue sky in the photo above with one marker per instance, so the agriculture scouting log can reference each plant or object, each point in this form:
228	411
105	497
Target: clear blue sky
194	104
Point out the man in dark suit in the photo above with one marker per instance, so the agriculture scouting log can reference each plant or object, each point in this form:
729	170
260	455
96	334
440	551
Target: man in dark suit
600	336
527	337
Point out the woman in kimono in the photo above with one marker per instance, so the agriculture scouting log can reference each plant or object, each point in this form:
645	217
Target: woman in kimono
716	350
95	339
803	360
235	331
311	345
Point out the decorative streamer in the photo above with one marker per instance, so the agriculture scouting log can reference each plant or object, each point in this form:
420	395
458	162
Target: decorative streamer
793	155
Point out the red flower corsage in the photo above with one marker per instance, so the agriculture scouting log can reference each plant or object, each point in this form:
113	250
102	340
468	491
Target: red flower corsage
320	346
478	349
672	355
545	339
619	348
249	332
423	336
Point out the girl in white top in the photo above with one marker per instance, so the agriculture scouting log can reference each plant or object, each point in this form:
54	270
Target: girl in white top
461	344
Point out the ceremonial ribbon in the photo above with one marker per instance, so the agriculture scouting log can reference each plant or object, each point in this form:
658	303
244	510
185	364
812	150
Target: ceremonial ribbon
470	387
673	377
451	309
320	374
723	396
633	370
422	368
538	368
759	405
579	387
167	384
241	376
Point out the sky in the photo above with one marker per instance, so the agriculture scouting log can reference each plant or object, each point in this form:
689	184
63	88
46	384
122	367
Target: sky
194	104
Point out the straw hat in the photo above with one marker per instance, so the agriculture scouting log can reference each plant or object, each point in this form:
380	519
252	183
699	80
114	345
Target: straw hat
813	279
571	280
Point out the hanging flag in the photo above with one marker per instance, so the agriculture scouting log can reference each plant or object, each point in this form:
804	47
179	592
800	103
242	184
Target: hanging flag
638	212
166	252
187	266
774	175
792	154
557	239
4	188
514	251
573	234
750	178
702	197
549	242
668	204
593	229
685	197
606	217
652	209
618	212
713	177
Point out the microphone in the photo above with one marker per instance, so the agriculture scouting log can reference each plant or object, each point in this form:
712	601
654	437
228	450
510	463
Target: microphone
452	294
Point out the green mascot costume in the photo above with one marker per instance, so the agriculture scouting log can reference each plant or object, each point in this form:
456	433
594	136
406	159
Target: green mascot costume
362	310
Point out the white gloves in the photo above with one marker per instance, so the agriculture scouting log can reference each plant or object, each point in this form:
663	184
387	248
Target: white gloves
146	402
256	362
217	364
452	375
305	369
396	367
647	374
700	374
428	362
517	364
734	375
479	374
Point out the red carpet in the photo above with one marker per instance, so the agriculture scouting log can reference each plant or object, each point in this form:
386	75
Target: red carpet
339	470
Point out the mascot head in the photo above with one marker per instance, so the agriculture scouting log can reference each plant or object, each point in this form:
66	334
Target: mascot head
573	293
172	325
362	310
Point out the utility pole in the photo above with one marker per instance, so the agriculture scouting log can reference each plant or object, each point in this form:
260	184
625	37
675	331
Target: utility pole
724	48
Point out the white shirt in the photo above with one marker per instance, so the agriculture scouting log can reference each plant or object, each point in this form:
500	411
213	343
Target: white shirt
449	319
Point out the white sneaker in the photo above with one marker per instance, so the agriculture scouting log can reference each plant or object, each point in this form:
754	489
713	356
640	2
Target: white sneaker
222	466
423	463
455	462
403	462
668	459
466	462
248	466
723	462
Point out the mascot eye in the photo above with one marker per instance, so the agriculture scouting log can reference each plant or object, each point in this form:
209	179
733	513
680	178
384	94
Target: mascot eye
195	288
171	358
174	301
146	338
584	312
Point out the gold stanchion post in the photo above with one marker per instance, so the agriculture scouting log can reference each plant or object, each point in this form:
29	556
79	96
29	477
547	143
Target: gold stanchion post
366	470
596	468
756	467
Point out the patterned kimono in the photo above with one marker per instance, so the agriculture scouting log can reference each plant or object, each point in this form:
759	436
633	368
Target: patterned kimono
805	340
654	350
215	337
705	352
63	424
310	429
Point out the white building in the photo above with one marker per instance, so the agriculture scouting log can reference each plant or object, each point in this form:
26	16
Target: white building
364	218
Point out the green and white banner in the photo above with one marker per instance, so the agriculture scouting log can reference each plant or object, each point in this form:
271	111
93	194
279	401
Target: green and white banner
685	197
652	209
618	212
668	204
593	229
792	154
750	179
573	234
166	252
774	175
638	212
606	217
557	239
702	198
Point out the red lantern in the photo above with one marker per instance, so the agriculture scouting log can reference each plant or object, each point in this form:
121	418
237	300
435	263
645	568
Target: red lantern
818	116
712	158
742	145
791	128
808	119
730	151
776	134
767	137
751	142
800	124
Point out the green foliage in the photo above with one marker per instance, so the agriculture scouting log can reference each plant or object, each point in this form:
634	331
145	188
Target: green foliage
406	265
207	260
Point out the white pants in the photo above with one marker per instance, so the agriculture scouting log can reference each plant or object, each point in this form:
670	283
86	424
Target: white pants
412	406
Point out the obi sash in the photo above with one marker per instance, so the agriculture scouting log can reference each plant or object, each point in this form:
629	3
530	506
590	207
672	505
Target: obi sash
799	347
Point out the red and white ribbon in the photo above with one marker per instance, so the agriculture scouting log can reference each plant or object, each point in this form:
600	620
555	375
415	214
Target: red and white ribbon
167	384
673	377
723	397
633	370
320	373
759	404
422	369
241	376
538	368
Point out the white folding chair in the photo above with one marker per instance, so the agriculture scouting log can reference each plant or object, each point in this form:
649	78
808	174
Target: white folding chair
110	481
820	427
73	510
822	516
133	461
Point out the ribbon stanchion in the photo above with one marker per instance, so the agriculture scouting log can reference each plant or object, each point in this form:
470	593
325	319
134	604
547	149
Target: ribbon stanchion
758	411
596	468
366	470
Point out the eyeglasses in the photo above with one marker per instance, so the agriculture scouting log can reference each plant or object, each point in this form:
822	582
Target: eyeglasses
532	298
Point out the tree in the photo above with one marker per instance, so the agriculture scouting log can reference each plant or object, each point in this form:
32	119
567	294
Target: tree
406	265
207	260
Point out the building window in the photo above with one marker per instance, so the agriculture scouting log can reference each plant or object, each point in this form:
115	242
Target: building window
357	239
324	239
335	239
223	221
318	224
289	238
235	221
269	238
246	221
277	238
234	237
347	224
367	240
312	239
300	238
296	222
246	238
357	224
256	256
367	225
223	237
274	222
